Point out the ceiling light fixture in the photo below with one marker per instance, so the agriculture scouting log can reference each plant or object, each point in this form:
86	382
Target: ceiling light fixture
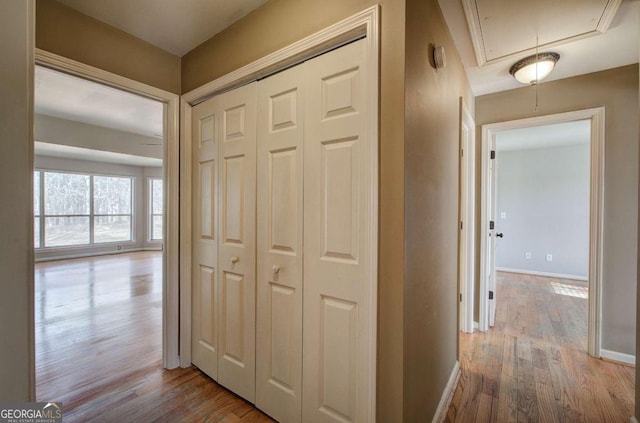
534	69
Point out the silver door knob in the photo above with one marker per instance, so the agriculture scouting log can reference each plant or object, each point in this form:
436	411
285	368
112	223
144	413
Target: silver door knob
276	269
234	259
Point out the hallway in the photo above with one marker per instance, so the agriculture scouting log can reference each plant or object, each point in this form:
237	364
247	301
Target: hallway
533	365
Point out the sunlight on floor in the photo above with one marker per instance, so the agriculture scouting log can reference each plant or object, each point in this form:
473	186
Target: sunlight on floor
569	290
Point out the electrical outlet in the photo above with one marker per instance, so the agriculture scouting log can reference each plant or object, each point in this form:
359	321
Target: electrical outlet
119	247
527	255
549	257
503	215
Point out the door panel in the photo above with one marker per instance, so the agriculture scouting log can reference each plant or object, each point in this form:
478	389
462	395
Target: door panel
337	334
236	292
279	274
204	341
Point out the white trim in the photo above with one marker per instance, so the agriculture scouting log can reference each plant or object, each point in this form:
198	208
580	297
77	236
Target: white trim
170	309
363	24
617	356
476	325
634	420
447	394
475	31
537	273
467	201
596	212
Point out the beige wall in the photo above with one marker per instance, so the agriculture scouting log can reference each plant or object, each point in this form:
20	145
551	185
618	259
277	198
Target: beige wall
431	209
69	33
617	91
16	151
279	23
637	413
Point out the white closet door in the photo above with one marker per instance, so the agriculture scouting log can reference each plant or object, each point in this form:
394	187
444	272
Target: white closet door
279	272
337	216
205	237
237	248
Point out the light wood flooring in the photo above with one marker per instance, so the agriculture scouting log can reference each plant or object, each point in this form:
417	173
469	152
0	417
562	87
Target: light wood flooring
98	347
533	365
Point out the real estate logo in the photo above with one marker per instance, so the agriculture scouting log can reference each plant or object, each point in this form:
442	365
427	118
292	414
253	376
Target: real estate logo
31	412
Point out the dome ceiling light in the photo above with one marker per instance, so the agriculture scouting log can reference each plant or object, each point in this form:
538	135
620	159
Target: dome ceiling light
534	69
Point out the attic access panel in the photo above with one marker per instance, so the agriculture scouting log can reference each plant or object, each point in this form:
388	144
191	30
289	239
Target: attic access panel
503	29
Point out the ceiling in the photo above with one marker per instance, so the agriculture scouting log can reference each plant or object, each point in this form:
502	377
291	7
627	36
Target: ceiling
545	136
175	26
68	97
589	35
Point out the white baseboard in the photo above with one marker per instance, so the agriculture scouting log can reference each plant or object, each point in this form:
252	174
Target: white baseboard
447	395
619	357
536	273
634	420
86	254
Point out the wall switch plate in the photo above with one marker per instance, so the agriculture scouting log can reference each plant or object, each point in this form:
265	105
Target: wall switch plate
527	255
549	257
503	215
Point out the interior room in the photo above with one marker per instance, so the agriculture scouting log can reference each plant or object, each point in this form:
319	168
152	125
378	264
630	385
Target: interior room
327	247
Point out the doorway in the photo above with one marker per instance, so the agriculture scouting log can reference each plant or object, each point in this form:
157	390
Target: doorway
491	217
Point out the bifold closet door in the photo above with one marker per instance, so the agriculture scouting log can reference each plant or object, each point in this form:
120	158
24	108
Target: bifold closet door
337	247
204	239
279	245
236	312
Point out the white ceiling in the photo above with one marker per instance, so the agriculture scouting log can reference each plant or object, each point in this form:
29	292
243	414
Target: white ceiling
68	97
175	26
545	136
508	30
78	153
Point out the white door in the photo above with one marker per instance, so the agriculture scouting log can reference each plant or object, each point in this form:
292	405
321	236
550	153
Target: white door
204	239
337	170
279	245
236	111
492	239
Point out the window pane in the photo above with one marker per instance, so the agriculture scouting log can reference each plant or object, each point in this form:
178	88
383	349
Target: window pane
156	196
61	231
112	228
36	193
36	232
156	229
111	195
66	194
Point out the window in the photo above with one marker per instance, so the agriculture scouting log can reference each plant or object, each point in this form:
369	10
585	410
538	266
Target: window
112	209
155	209
78	209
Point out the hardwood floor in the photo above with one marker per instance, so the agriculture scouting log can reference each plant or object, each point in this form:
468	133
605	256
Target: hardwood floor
98	347
533	365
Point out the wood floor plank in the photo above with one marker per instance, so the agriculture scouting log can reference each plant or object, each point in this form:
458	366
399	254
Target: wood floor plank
98	347
533	365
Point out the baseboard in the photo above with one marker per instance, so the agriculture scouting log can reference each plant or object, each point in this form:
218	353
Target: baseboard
619	357
87	254
447	395
536	273
634	420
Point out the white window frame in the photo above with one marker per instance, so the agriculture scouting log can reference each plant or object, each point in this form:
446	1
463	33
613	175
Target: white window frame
42	216
150	213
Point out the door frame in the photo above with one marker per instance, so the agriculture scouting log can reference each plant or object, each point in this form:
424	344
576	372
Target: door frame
170	252
365	24
596	212
467	247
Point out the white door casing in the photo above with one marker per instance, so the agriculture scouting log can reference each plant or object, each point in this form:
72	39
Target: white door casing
336	338
236	111
467	218
204	342
279	245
